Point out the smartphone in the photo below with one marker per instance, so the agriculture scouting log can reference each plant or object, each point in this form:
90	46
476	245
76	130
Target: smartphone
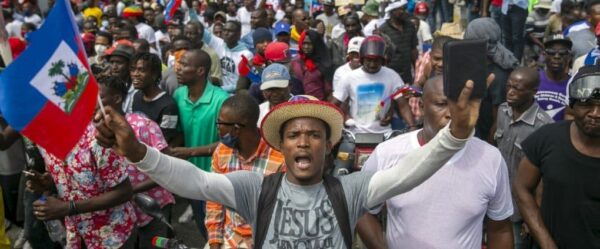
465	60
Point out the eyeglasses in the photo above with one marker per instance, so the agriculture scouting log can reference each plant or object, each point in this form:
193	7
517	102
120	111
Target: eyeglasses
553	52
236	125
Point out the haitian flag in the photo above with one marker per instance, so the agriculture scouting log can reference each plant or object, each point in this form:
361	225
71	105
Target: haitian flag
170	9
48	93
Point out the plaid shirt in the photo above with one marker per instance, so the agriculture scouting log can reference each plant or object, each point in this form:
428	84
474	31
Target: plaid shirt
223	224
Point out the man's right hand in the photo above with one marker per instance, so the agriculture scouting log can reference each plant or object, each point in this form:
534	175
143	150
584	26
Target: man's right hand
465	110
113	131
38	183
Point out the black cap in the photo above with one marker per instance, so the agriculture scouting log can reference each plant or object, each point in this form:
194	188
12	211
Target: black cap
558	38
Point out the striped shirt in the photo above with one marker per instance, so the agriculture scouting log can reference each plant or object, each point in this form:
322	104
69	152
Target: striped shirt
222	223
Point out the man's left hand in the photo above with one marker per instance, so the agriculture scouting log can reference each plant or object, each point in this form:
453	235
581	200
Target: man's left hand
51	209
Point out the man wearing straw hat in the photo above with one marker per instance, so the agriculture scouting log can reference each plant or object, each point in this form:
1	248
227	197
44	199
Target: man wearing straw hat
303	213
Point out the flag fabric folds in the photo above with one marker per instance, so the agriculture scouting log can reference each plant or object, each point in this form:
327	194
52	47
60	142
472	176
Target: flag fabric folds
48	93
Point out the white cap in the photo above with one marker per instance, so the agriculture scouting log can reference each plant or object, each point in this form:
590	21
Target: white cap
354	44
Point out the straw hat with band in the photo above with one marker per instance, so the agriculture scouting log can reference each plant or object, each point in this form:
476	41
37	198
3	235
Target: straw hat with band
303	106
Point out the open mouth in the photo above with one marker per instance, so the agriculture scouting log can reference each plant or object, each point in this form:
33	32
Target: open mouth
303	162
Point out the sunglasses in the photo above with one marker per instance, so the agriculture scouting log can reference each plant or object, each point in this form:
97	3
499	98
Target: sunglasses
553	52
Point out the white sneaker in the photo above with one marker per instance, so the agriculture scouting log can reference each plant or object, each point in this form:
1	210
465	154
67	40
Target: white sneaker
20	242
187	215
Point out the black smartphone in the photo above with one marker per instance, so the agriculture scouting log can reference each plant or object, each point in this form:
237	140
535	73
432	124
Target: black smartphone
465	60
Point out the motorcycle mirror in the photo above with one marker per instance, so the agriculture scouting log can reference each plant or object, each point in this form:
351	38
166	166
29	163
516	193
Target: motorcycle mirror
148	205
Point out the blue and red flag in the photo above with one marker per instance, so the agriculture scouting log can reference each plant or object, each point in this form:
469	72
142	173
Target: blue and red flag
48	93
170	9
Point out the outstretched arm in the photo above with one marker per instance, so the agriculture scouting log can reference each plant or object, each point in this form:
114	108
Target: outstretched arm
176	175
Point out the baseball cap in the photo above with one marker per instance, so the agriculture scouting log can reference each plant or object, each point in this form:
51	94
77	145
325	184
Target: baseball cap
329	2
282	27
122	50
262	34
354	44
585	84
275	76
558	38
277	52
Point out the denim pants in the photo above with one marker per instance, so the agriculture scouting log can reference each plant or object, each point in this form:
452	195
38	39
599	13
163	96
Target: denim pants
444	8
513	30
199	211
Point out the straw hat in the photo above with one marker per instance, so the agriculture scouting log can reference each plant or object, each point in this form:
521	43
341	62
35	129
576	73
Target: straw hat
298	107
453	30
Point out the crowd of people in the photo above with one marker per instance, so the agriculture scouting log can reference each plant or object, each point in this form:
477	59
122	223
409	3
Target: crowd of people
237	107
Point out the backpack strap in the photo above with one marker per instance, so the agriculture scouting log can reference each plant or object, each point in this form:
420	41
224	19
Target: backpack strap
336	195
266	204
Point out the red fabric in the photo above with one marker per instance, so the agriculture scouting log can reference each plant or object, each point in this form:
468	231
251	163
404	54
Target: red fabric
497	3
346	40
243	67
17	46
308	62
258	60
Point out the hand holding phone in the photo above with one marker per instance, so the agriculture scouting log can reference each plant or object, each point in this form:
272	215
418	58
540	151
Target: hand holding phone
465	60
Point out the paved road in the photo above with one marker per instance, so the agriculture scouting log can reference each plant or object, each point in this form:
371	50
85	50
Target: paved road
188	232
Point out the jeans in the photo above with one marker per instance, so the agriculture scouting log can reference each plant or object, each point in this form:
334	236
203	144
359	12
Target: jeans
513	30
199	210
10	193
444	8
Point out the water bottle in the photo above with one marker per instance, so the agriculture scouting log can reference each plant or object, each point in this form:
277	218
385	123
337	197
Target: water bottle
161	242
56	229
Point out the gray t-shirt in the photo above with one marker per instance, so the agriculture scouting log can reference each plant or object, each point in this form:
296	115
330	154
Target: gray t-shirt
583	41
303	216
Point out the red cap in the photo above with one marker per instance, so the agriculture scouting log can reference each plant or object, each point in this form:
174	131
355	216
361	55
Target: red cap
421	8
277	51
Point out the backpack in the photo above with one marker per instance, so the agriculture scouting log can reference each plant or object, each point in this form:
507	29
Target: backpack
266	204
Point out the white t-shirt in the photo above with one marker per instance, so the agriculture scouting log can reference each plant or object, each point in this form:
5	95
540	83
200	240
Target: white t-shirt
34	18
423	35
447	210
243	16
14	28
340	72
263	108
337	31
145	32
230	59
366	91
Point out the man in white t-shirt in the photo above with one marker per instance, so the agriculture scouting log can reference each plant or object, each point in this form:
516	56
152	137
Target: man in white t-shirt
244	15
230	52
367	88
353	58
275	88
448	210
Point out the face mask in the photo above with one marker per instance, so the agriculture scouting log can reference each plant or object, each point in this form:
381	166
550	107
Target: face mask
105	23
230	141
100	49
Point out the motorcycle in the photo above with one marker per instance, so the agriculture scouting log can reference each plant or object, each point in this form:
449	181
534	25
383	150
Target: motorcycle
152	208
355	149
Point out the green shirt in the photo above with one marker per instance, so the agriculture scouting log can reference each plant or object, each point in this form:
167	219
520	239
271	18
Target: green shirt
198	120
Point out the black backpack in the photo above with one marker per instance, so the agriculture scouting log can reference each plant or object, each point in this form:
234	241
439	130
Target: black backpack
266	204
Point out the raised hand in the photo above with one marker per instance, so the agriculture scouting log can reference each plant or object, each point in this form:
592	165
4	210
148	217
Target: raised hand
465	110
113	131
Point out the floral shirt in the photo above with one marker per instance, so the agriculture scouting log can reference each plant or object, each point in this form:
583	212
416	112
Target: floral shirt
89	171
148	132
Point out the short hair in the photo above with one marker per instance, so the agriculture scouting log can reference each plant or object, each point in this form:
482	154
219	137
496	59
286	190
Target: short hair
144	45
439	41
244	106
237	24
262	12
567	6
327	128
152	61
351	16
590	5
115	84
180	38
105	35
202	59
196	25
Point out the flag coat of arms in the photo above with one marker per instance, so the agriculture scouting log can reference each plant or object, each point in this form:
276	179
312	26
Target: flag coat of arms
49	94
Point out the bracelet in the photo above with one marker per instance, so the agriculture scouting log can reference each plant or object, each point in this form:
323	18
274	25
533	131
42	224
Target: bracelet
72	208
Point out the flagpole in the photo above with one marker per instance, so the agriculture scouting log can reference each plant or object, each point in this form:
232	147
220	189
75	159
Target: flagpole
101	106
